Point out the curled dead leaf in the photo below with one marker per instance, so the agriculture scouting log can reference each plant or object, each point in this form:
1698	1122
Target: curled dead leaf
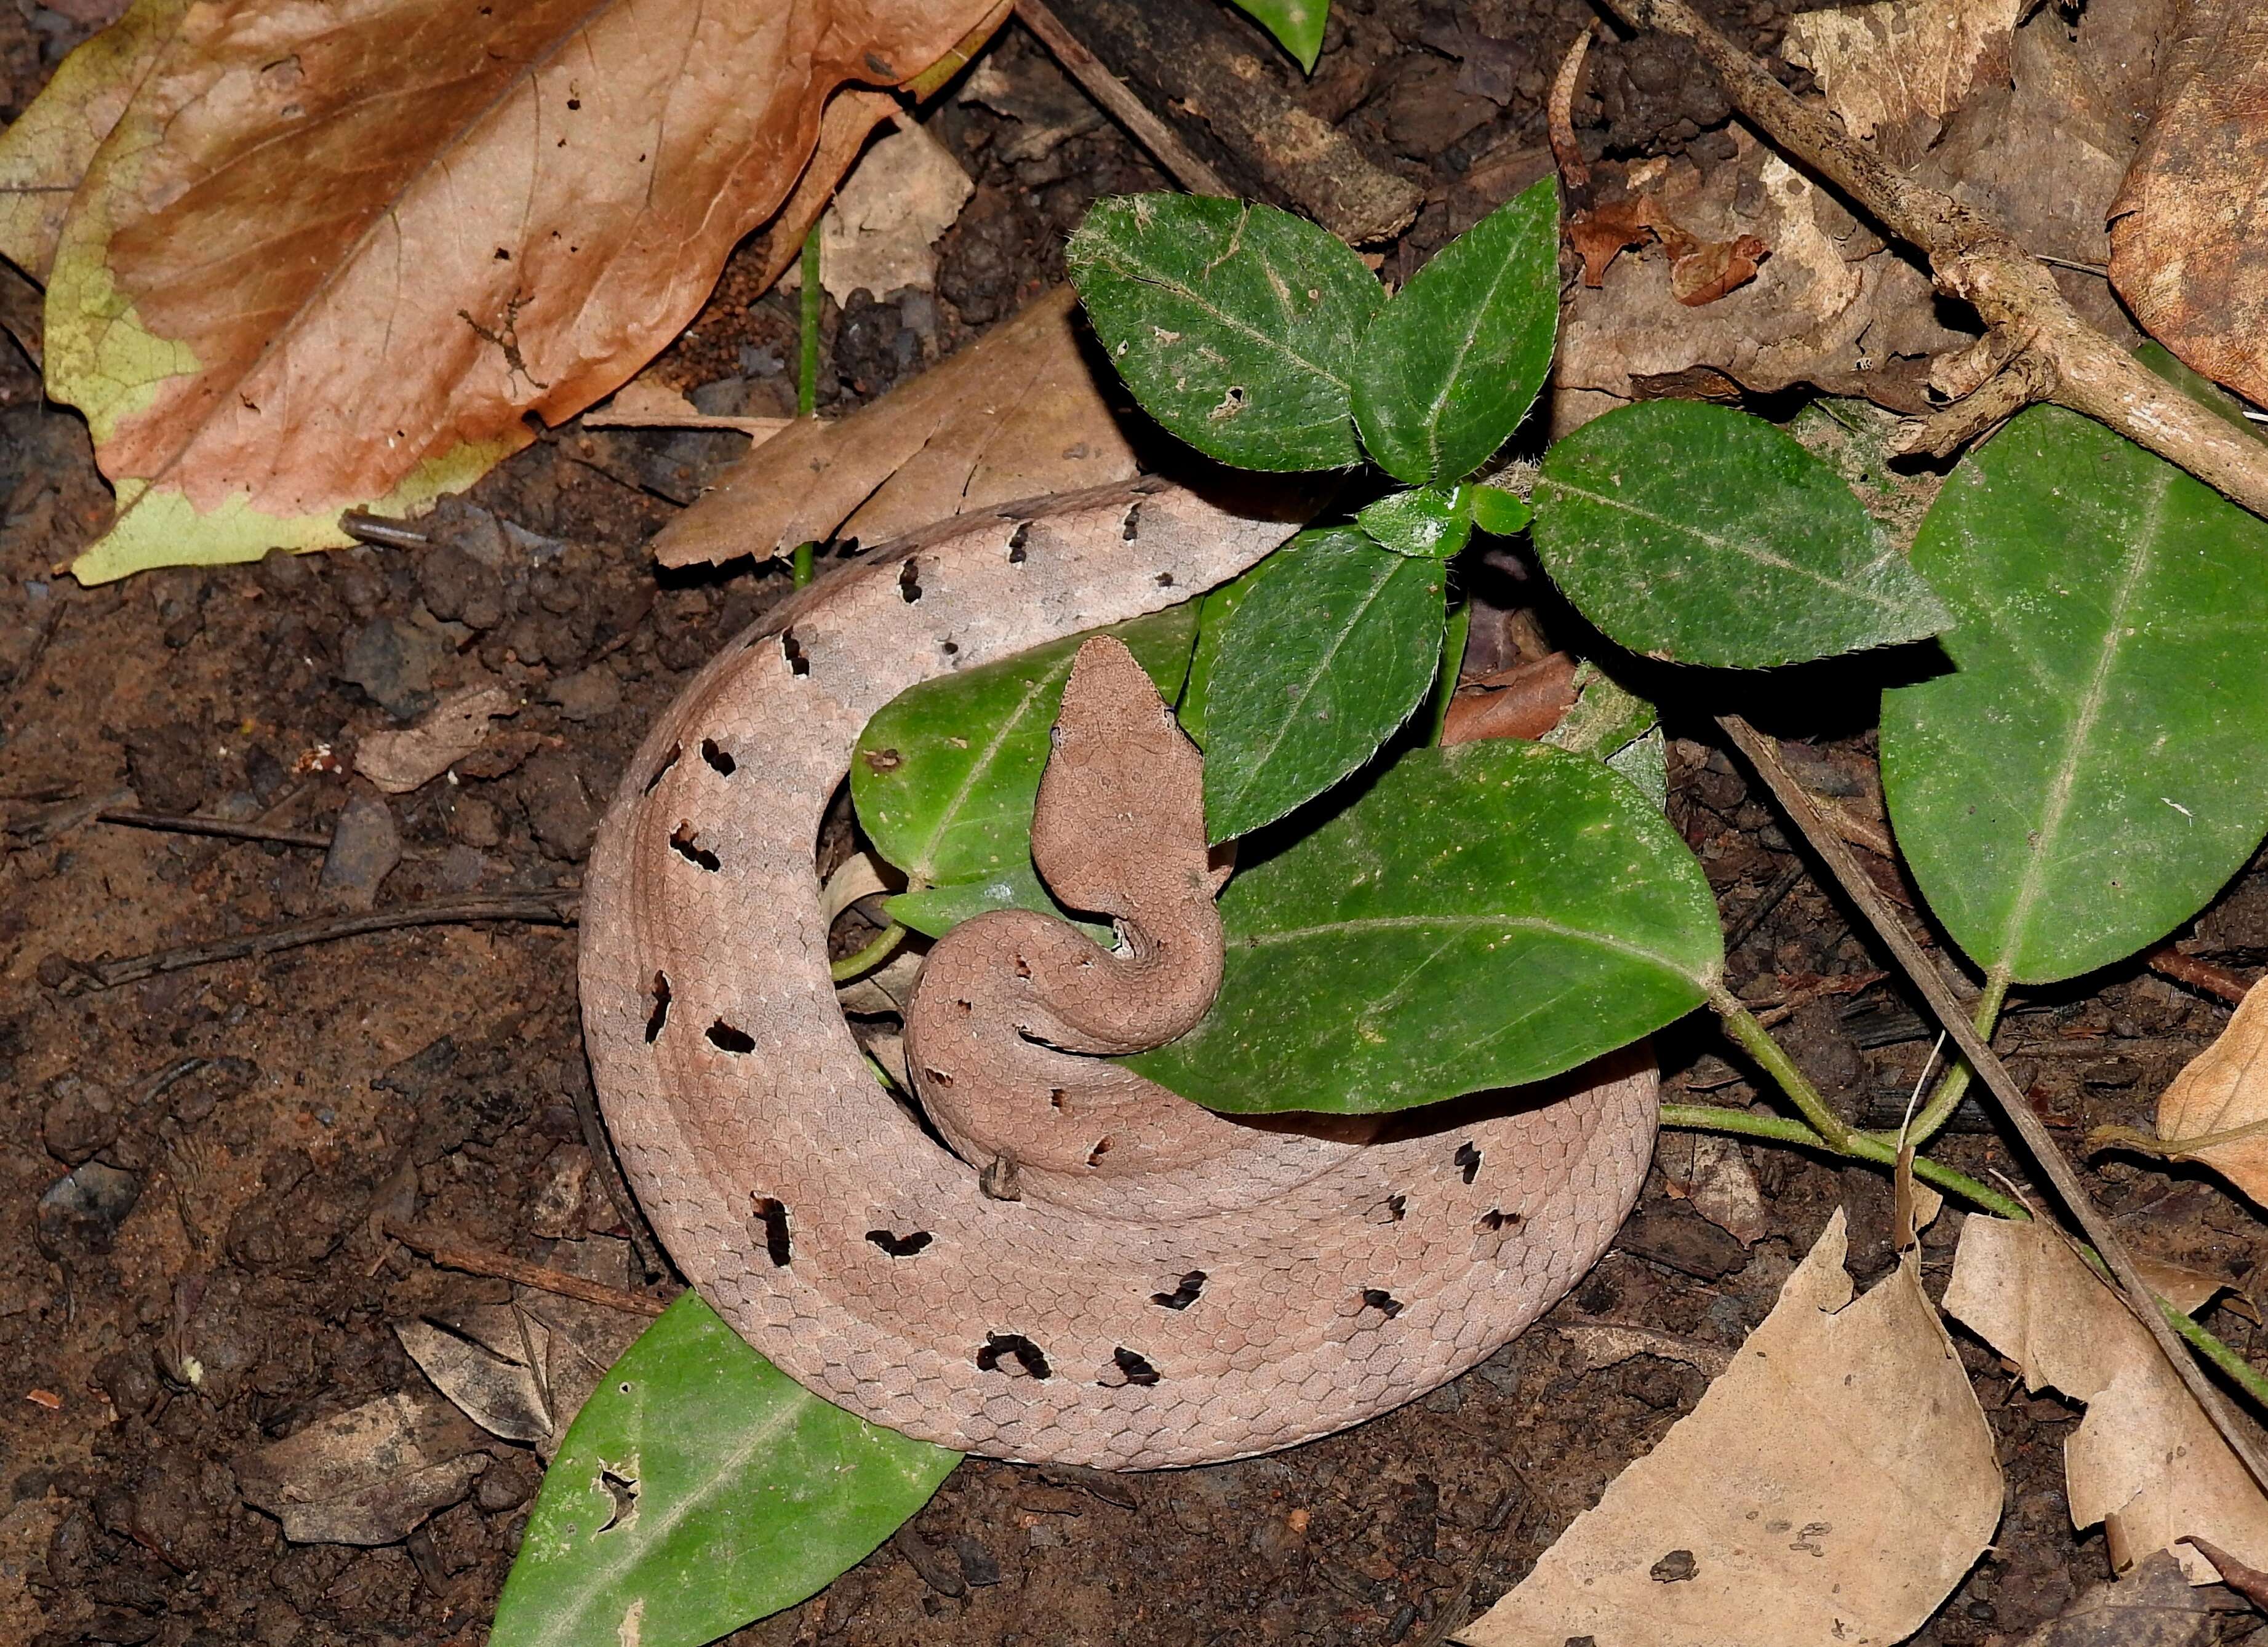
2216	1110
400	762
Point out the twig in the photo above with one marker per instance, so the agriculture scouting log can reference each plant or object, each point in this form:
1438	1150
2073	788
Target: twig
2209	977
556	908
228	828
1123	106
1764	755
452	1253
2064	360
1769	900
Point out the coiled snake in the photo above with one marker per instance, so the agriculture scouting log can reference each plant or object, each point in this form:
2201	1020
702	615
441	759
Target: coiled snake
1159	1285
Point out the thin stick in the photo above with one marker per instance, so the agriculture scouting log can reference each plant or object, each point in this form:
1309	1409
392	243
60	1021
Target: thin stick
227	828
1121	104
2060	358
556	908
452	1253
2208	976
1764	755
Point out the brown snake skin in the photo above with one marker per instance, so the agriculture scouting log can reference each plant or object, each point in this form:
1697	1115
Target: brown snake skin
1201	1288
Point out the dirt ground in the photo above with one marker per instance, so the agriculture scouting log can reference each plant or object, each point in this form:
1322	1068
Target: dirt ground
227	1284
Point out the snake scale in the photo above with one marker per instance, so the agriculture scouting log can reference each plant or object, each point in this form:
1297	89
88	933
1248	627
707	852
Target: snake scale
1159	1285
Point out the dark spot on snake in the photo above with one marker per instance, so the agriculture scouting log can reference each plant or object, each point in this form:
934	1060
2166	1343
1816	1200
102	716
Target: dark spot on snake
938	1076
884	759
1496	1218
1182	1296
1165	580
1132	530
964	1006
660	1015
722	763
1133	1369
1027	1356
1469	1159
1023	968
1384	1302
772	1212
1392	1207
682	842
662	771
1094	1156
951	649
909	581
724	1038
900	1246
1054	1098
791	650
1016	543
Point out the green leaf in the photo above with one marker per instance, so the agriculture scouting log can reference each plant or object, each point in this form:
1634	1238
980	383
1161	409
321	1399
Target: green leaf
1483	916
701	1488
1326	655
1452	365
2090	773
1429	521
936	910
1213	614
944	776
1499	512
1297	25
1234	325
1699	534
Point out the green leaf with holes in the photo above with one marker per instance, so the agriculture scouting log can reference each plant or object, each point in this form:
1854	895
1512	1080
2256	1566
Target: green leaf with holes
1234	325
701	1488
1699	534
944	777
2089	772
1327	654
1297	25
1480	917
1452	365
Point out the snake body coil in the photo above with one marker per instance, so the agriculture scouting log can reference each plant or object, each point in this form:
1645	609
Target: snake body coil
1195	1289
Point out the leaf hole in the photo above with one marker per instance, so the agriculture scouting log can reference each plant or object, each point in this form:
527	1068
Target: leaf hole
791	650
624	1491
1190	1289
909	581
662	771
900	1246
771	1212
724	1038
720	761
1466	1160
1027	1356
685	842
1384	1302
1132	1367
659	1017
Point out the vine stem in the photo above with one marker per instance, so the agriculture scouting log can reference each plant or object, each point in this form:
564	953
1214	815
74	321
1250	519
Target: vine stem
1764	754
806	372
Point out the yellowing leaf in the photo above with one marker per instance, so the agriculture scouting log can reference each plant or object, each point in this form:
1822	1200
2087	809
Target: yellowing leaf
2223	1092
1833	1486
336	255
2145	1461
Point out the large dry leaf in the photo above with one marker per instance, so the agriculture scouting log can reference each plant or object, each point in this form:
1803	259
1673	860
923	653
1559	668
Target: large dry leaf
1833	1486
2187	227
1890	67
2224	1090
2145	1461
337	255
2154	1607
904	192
369	1475
1018	413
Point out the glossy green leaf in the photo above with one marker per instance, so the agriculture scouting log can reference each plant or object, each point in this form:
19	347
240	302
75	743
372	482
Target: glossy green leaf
1326	655
1297	25
2090	772
1452	365
933	911
701	1488
1213	614
1234	325
1499	512
944	776
1699	534
1431	521
1481	917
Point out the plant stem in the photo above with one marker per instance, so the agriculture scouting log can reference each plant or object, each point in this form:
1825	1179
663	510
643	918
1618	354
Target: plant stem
1754	1040
807	371
1948	1097
1453	660
884	944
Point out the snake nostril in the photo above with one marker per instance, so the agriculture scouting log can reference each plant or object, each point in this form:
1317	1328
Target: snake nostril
1469	1159
718	757
1192	1285
660	1015
772	1212
727	1038
685	842
900	1246
1132	1367
1028	1357
1384	1302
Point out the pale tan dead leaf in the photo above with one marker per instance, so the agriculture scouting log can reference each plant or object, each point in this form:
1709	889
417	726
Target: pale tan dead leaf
2187	226
881	232
518	205
368	1475
1609	1343
2222	1091
2186	1287
2152	1606
1833	1486
400	762
1889	67
642	403
2145	1461
1714	1175
1018	413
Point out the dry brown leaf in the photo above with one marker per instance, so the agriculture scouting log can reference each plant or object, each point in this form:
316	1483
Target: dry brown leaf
2145	1461
517	206
400	762
1833	1486
1711	1172
1610	1344
642	403
2224	1090
1018	413
368	1475
905	191
2187	226
2153	1607
1894	69
1524	702
1605	232
1702	271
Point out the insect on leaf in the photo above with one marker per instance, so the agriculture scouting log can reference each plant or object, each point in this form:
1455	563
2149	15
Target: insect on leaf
1699	534
1234	325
